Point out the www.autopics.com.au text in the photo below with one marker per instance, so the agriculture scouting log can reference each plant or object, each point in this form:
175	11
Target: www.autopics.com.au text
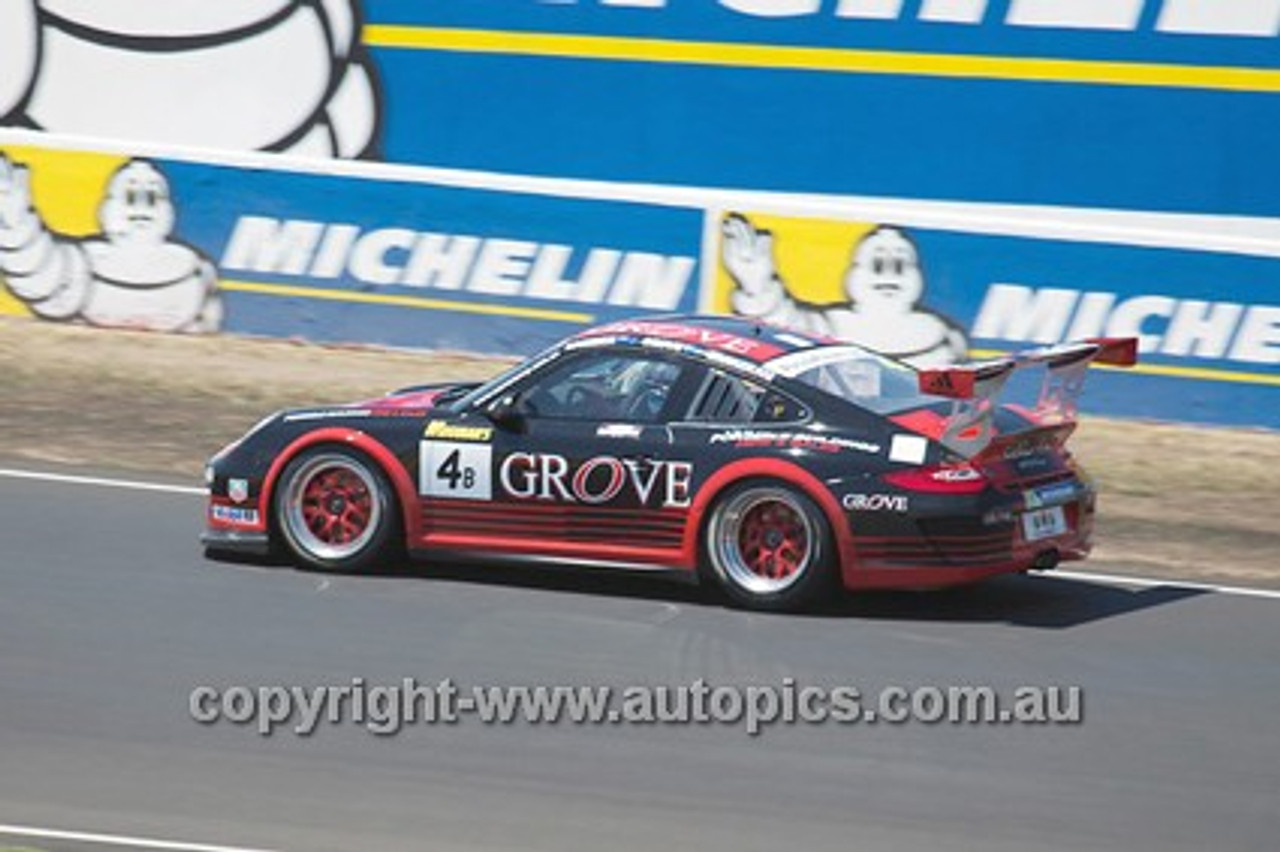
385	709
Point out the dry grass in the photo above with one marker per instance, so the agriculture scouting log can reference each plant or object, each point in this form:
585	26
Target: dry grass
164	403
1180	501
1191	502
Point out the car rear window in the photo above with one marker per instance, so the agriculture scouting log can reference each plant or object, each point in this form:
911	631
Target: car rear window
856	375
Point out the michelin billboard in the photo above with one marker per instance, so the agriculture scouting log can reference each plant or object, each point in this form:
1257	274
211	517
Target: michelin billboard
189	246
1210	353
940	179
392	256
1121	104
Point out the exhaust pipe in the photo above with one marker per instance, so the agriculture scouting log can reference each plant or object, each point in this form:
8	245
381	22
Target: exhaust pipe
1046	560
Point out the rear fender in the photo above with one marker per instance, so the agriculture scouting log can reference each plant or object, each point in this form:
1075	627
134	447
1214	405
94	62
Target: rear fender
777	469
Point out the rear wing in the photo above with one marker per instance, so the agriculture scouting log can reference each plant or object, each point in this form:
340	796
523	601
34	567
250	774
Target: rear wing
976	387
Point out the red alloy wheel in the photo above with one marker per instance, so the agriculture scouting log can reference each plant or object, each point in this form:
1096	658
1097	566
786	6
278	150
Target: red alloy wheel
331	508
336	505
763	540
773	540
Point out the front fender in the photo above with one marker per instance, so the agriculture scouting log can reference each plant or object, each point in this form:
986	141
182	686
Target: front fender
355	439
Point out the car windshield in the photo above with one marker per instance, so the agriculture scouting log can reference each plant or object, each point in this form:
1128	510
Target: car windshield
506	377
856	375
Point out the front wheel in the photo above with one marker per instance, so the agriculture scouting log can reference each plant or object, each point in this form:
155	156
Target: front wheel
335	510
769	546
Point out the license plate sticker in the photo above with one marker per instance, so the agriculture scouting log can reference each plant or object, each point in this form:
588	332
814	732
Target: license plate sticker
1044	523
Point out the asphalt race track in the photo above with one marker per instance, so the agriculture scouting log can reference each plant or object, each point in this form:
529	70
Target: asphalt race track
109	616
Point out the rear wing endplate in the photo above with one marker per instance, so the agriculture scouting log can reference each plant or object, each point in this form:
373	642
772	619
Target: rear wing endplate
976	387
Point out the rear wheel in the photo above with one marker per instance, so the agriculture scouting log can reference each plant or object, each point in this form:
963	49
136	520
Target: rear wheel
769	546
335	510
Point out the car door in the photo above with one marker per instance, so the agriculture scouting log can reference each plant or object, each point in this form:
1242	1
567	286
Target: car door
578	464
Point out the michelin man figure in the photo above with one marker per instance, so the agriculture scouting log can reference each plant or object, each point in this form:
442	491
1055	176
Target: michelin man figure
271	75
884	284
132	275
19	52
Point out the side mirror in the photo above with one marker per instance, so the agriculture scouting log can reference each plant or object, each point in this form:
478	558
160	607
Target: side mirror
506	412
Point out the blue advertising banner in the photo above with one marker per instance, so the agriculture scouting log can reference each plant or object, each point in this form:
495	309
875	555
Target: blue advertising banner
412	264
1121	104
372	254
1208	322
1208	32
182	245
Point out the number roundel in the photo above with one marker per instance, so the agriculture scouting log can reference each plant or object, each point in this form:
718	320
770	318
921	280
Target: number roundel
452	472
456	470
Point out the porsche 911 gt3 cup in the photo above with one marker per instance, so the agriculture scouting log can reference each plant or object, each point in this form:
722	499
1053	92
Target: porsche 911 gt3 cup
776	465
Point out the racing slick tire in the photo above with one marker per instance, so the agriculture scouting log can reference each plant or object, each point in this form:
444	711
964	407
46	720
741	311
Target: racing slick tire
769	547
336	511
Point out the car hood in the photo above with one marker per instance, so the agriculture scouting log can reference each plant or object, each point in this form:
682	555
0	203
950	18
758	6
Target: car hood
418	397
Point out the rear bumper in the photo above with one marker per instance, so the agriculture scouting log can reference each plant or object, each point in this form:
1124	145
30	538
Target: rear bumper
947	551
925	576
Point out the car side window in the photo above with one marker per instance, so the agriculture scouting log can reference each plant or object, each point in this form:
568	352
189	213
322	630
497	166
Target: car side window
631	387
725	398
779	408
728	398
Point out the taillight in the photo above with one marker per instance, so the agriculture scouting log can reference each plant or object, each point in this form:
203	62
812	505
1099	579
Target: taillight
958	479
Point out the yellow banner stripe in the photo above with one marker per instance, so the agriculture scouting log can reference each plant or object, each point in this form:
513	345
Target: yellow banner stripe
839	60
1204	373
406	301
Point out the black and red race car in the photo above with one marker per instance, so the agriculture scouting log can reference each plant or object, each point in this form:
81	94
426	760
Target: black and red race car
776	464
